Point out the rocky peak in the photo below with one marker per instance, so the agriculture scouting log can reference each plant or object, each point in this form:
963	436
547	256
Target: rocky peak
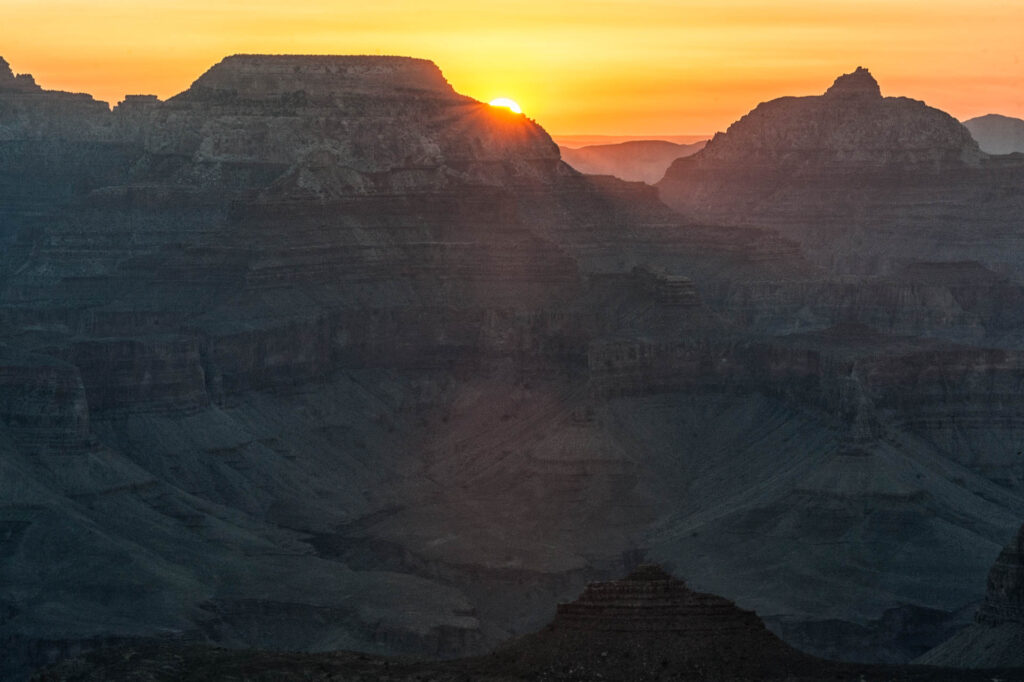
1004	597
859	83
261	77
850	127
20	83
650	625
649	573
650	599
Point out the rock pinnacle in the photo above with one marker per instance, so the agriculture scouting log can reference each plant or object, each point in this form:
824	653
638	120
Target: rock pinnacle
859	83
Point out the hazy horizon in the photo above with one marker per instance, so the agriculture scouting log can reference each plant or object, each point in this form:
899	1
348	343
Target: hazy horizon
635	69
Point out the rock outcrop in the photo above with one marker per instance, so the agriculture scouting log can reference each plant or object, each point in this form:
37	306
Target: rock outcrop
245	316
865	184
321	354
9	83
647	626
851	127
323	78
1004	595
997	635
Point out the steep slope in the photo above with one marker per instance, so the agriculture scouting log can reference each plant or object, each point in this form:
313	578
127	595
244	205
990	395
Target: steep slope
635	160
651	625
245	331
996	636
169	319
997	134
52	146
322	354
865	184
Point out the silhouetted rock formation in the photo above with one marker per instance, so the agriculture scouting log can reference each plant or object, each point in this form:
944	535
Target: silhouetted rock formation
183	276
320	354
859	83
850	127
651	600
651	626
865	184
270	77
997	134
10	83
647	626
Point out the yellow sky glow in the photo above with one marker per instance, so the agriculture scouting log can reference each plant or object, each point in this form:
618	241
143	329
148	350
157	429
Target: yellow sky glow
640	67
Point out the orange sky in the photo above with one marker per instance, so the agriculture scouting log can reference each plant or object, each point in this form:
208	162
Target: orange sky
576	66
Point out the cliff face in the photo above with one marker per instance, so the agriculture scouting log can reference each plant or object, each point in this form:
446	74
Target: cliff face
996	636
1004	595
851	126
323	78
865	184
650	624
244	317
347	123
321	354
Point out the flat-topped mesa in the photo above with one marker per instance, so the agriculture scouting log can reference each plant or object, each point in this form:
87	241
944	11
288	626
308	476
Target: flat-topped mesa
262	77
651	600
650	625
859	83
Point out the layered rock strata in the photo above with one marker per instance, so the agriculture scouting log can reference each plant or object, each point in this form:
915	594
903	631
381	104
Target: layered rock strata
866	184
648	626
313	354
997	634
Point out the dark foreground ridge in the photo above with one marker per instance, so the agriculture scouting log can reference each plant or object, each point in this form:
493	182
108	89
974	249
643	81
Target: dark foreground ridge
647	626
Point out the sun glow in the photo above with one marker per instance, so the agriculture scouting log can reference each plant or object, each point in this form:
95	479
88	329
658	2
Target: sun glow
507	103
646	67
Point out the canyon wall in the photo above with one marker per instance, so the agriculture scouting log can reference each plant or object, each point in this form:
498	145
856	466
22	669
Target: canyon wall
320	354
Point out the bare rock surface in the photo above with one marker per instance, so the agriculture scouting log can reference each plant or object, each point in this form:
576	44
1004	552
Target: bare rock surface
319	354
865	184
996	636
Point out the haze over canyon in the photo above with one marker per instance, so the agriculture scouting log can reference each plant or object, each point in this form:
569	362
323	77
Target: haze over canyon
321	355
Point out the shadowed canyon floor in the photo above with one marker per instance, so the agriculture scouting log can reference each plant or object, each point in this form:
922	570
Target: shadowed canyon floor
320	354
648	626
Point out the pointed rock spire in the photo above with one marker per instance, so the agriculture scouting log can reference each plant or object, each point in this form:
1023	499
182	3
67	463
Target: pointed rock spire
859	83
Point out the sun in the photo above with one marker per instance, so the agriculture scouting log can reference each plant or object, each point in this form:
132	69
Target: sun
507	103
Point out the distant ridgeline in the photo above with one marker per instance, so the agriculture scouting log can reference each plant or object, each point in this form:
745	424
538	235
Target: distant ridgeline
321	354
